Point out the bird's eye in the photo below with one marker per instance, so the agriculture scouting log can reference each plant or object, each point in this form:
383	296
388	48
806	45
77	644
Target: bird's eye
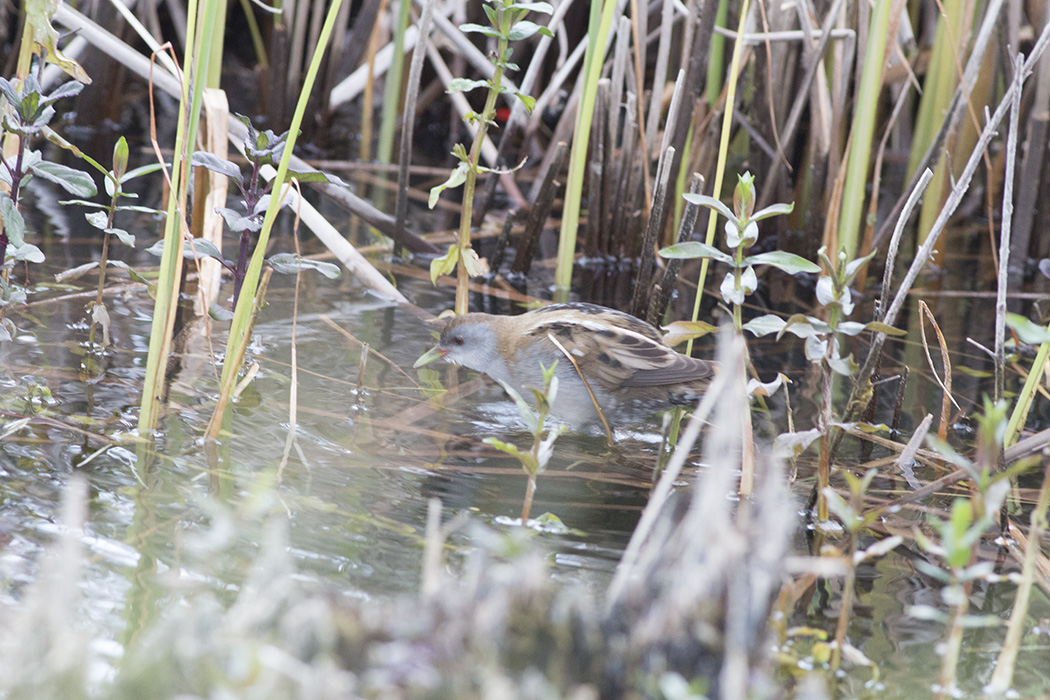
458	340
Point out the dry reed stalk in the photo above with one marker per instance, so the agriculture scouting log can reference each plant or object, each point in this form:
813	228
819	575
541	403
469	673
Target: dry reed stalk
954	110
539	212
409	116
661	297
624	200
1006	226
862	379
947	400
596	173
647	263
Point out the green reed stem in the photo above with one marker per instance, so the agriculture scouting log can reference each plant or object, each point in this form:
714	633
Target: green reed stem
392	98
169	276
863	131
597	38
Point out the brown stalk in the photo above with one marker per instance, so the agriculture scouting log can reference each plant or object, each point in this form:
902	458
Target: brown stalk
652	231
946	385
587	385
539	212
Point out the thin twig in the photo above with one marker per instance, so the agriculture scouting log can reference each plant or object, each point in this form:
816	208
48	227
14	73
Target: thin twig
587	385
1006	226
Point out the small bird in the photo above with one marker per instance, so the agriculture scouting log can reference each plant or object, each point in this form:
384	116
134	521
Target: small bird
631	371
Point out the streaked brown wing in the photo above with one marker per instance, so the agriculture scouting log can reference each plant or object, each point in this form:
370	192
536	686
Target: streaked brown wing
675	370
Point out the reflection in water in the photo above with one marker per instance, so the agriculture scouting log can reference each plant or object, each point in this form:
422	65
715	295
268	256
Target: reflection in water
370	450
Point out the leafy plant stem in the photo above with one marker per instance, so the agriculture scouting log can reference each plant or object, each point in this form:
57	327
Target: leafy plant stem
846	605
824	466
462	275
953	644
723	152
13	193
102	262
530	491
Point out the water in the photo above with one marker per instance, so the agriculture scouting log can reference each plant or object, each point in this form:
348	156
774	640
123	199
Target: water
354	485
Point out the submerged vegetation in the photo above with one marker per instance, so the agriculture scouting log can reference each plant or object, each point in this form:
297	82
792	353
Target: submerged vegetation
843	121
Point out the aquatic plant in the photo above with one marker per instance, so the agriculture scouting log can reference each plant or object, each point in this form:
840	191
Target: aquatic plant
741	233
823	347
31	111
535	460
115	180
262	149
507	24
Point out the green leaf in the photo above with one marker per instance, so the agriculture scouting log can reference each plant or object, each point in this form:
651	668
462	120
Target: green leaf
843	365
788	445
213	162
491	13
73	181
764	325
681	331
83	203
238	222
730	291
472	262
122	235
712	203
120	158
203	248
140	171
132	273
457	178
788	262
543	7
76	272
853	267
838	505
289	263
465	85
1028	332
219	313
317	176
528	414
850	328
506	447
527	100
523	30
445	264
98	219
756	387
14	224
773	210
29	253
805	326
877	327
471	28
694	249
815	347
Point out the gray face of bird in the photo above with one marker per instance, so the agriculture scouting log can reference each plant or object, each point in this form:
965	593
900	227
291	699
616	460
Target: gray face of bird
472	345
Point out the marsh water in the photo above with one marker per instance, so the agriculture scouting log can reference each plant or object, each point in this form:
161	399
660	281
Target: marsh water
373	440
